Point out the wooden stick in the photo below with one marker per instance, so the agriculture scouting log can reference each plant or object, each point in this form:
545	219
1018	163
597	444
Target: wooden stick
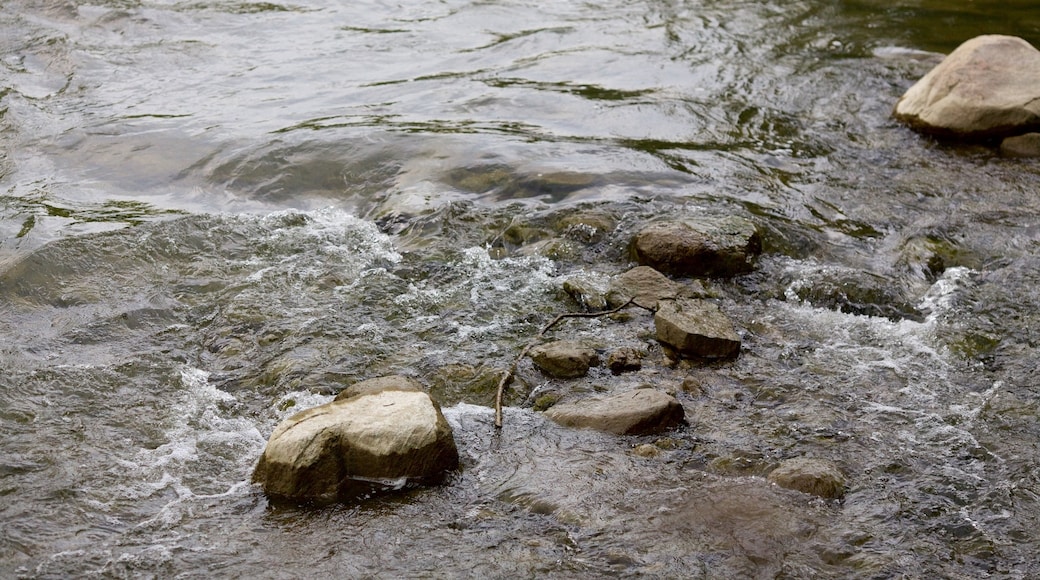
508	376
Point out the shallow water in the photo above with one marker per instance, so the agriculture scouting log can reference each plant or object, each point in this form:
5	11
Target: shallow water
216	214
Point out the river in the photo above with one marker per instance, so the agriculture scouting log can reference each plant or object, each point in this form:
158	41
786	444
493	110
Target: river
213	214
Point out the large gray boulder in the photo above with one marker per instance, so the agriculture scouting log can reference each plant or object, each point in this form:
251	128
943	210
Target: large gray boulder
634	412
988	87
696	328
357	445
718	247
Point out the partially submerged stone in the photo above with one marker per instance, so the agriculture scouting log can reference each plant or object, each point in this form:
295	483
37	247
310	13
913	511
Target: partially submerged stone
634	412
696	328
1027	145
564	359
645	286
812	476
720	247
357	445
988	87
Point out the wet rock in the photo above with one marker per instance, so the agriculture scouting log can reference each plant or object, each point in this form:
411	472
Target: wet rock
813	476
696	328
588	291
646	450
588	226
718	247
552	248
646	286
988	87
357	445
1027	145
631	413
564	359
378	385
856	292
624	359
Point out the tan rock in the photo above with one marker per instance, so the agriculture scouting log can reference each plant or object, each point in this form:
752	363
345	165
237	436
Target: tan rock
988	87
631	413
356	445
696	328
645	286
564	359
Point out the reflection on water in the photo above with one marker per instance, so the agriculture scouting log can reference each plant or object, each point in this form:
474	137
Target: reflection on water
214	214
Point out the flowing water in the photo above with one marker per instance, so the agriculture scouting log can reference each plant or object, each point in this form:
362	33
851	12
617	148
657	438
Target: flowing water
216	213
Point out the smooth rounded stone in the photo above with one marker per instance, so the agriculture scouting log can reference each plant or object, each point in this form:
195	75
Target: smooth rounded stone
378	385
624	359
564	359
645	286
813	476
696	328
719	247
636	412
1027	145
988	87
350	447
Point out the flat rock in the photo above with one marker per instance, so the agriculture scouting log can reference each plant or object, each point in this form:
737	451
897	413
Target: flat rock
634	412
812	476
357	445
645	286
564	359
988	87
696	328
718	247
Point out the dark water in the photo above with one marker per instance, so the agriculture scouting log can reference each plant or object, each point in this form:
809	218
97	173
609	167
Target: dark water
215	214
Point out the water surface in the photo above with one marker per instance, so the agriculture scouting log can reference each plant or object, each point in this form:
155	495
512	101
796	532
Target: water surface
215	214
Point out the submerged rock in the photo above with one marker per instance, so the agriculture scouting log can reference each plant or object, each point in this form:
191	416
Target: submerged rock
357	445
564	359
988	87
634	412
696	328
719	247
813	476
645	286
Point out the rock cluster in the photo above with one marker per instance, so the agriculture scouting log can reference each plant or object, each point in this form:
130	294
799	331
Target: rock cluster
988	88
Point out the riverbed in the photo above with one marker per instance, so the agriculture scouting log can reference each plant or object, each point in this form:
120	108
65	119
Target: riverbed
215	214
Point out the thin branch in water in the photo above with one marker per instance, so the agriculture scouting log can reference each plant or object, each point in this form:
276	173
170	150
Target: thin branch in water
508	376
